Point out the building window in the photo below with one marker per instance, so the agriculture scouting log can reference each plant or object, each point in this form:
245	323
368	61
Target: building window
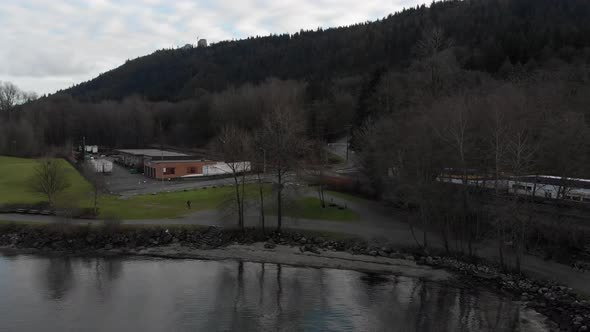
191	170
517	186
169	170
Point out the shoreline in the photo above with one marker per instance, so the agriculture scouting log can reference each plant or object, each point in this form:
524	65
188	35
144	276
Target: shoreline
257	253
559	304
407	266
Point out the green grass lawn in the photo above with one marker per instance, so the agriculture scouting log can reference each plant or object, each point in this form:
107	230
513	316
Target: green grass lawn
335	159
310	208
14	178
16	172
163	205
173	205
348	197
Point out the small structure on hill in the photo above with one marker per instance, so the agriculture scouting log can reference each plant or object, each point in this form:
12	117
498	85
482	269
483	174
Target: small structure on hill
202	43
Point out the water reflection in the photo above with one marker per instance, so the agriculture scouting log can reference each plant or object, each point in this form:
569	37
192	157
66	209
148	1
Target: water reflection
58	277
187	295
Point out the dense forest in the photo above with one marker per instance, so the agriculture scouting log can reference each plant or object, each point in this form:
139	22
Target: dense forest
486	34
498	88
390	83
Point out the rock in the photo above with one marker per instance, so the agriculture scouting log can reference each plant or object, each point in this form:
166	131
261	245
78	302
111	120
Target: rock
311	249
108	246
583	328
373	253
90	238
409	258
303	240
270	244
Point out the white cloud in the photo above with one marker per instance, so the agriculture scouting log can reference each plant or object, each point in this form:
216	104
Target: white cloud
51	45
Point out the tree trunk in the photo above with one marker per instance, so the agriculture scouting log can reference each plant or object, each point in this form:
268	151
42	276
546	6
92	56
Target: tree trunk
279	201
95	201
243	195
238	202
424	225
446	234
261	191
321	196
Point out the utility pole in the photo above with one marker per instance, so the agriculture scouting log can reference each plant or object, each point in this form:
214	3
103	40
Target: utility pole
162	152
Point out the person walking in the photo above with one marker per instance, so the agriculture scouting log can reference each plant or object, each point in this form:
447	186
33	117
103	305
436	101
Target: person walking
188	204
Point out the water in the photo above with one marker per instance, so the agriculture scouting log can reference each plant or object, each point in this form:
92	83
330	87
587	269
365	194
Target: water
121	294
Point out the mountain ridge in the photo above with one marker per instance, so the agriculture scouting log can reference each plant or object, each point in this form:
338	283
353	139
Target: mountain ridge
485	34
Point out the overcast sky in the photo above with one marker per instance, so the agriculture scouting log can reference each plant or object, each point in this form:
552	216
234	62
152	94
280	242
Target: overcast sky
50	45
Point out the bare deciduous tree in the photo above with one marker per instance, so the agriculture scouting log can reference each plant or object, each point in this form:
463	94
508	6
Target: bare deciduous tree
98	182
50	179
9	96
283	140
435	61
234	144
521	154
317	164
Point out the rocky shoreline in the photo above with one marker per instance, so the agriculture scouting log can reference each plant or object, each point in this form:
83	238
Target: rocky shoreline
560	304
566	309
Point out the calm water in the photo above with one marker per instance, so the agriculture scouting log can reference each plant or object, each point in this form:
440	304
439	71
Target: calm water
97	294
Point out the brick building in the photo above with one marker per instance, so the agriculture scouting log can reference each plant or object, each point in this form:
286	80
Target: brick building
162	165
179	169
172	169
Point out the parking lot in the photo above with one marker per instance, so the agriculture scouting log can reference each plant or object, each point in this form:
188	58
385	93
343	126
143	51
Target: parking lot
124	183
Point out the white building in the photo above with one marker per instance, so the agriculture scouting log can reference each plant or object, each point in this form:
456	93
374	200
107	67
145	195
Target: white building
101	165
221	168
91	148
546	186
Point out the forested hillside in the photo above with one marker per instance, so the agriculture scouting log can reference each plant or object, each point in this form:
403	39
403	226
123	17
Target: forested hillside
484	90
485	33
524	64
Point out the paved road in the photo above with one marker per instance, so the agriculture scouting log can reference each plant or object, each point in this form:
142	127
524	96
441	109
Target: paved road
339	148
376	222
